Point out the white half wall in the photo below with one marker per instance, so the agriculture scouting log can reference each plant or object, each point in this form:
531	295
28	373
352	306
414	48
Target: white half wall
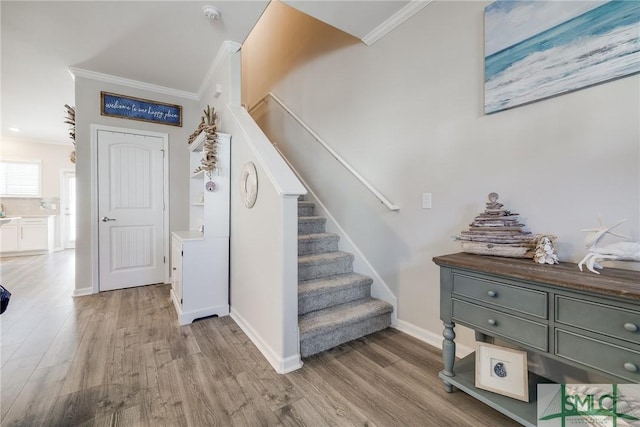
264	246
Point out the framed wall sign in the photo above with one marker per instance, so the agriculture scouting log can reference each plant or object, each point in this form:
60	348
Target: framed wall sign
127	107
502	370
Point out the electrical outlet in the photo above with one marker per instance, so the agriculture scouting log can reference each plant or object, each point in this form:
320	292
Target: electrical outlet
426	200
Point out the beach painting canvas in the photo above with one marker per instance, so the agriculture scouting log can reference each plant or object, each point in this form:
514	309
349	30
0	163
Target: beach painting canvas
538	49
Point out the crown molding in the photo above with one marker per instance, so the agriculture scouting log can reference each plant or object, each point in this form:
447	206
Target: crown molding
107	78
395	20
227	48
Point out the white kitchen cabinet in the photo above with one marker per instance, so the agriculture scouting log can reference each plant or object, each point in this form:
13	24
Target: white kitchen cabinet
34	234
9	235
27	235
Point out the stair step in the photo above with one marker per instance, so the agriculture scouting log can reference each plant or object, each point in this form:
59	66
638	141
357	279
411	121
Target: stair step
317	243
326	264
324	329
306	208
311	224
326	292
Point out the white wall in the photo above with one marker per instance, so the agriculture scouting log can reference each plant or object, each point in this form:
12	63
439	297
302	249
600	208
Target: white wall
407	113
87	113
54	158
263	259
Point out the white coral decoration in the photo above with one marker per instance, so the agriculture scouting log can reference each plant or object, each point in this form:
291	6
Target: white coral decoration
621	251
545	252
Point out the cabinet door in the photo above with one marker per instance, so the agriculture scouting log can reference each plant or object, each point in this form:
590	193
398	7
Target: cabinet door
33	237
176	270
8	237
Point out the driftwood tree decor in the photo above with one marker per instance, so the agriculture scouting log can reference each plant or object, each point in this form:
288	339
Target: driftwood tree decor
497	231
209	156
70	119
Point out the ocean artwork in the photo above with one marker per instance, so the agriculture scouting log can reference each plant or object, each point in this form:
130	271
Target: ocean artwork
538	49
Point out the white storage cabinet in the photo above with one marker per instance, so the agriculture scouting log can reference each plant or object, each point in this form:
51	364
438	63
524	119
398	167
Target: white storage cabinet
200	260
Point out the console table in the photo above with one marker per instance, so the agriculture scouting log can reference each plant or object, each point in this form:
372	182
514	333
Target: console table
582	319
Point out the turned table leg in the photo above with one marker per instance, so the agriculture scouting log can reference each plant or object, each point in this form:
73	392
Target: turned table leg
448	353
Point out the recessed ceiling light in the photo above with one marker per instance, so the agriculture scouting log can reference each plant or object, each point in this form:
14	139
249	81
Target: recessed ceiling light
14	129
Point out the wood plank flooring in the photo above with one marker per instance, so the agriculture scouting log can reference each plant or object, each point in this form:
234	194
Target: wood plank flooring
121	359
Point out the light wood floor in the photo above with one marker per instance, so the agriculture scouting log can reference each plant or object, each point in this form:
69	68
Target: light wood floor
121	359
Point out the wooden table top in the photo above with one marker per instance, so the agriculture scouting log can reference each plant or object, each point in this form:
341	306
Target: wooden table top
610	281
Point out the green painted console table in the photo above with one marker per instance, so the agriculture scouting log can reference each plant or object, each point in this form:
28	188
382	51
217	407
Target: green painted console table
585	320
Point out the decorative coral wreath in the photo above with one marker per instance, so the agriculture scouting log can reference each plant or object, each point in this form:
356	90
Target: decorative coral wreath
249	185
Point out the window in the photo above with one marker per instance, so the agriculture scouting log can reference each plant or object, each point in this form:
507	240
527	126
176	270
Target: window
20	178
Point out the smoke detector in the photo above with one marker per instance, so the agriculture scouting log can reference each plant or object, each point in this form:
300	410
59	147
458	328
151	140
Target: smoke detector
211	12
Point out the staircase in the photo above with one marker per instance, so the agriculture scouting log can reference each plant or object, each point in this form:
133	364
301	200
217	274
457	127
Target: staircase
334	303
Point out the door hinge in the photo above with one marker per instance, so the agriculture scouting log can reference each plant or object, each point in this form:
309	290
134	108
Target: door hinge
180	300
181	253
164	259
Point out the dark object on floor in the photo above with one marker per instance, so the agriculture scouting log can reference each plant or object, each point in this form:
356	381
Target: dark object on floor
4	298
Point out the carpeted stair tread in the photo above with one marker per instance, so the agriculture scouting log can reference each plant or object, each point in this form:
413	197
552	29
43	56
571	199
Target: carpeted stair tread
324	264
324	258
340	316
311	224
317	243
312	218
321	286
306	208
326	292
317	236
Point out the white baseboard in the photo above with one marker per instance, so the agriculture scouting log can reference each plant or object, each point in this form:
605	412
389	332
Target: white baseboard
430	337
82	292
281	365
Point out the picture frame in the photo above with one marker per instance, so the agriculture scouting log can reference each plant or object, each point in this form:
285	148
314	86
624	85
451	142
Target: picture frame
559	48
145	110
502	370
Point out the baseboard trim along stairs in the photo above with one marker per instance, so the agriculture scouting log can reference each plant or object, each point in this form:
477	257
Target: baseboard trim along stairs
334	303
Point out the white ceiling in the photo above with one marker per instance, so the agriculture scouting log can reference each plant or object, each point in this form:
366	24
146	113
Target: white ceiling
165	43
358	18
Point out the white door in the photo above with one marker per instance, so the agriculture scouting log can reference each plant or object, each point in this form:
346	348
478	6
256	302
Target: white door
130	210
68	209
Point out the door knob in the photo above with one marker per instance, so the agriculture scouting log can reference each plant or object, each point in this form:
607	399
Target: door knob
106	218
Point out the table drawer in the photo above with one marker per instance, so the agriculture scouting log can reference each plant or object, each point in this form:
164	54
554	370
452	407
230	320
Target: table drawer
613	321
515	298
599	355
505	325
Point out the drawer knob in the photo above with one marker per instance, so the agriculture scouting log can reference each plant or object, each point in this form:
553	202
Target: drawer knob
492	322
631	367
492	294
631	327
